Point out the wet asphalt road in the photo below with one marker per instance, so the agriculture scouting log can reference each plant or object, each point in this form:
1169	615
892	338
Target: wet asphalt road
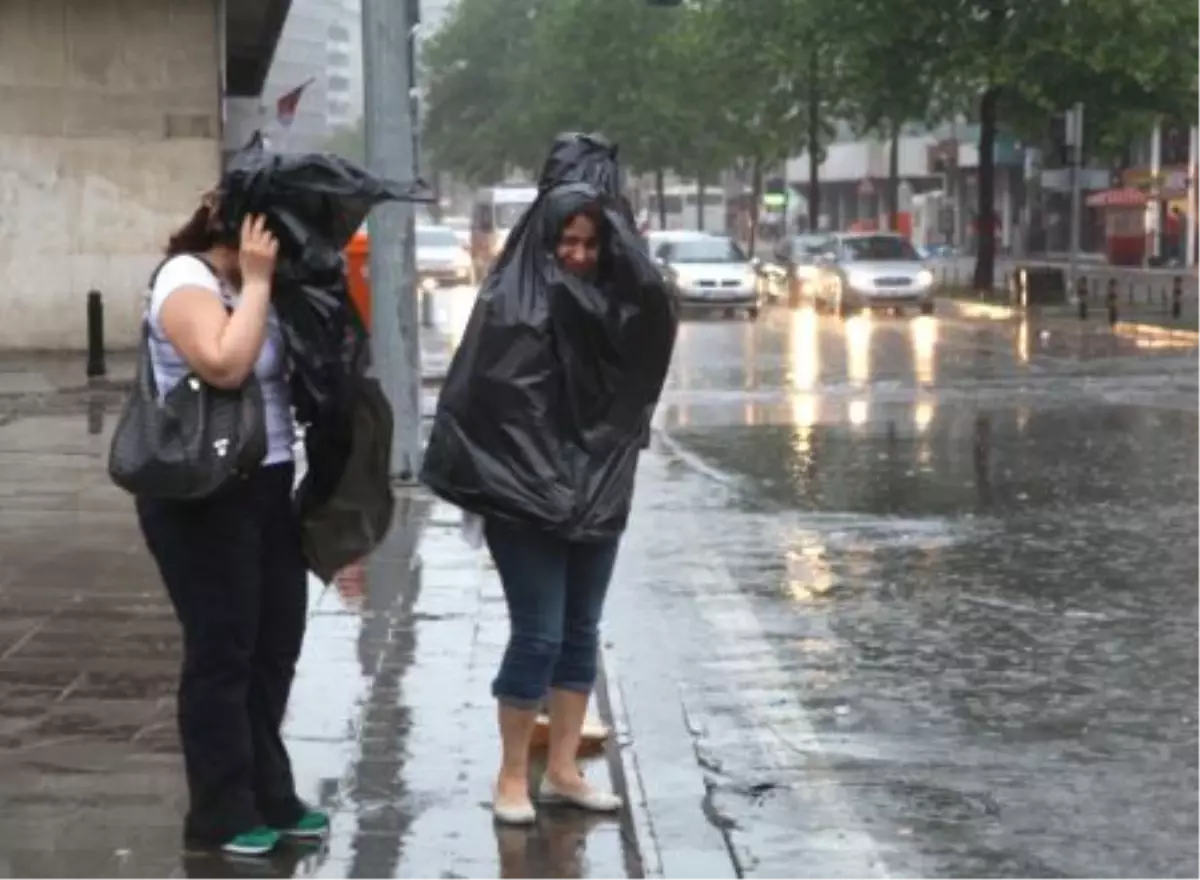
915	597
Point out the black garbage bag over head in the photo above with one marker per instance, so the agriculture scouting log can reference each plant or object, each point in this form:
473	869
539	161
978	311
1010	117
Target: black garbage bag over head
576	157
314	203
549	396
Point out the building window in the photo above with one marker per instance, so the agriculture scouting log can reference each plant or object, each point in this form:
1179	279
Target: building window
338	59
338	83
339	33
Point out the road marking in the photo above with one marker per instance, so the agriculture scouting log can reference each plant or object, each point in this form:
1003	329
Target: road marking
727	611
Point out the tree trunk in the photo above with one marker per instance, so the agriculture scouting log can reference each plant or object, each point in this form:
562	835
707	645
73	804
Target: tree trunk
985	254
893	184
756	185
700	202
814	139
660	186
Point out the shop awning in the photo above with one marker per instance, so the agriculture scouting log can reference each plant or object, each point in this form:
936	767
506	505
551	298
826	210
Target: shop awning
1125	197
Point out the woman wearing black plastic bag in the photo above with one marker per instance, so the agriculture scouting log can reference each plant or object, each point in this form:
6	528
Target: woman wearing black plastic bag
232	561
539	426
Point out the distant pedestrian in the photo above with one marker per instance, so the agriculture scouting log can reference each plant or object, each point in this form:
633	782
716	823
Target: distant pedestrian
232	562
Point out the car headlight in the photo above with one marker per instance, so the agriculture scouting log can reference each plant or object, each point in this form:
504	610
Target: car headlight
924	278
858	280
749	279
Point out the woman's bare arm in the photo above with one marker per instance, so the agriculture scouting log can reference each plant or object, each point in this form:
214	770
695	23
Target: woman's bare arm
223	348
220	347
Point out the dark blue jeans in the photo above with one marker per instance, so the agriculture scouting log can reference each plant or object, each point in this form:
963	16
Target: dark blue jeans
555	592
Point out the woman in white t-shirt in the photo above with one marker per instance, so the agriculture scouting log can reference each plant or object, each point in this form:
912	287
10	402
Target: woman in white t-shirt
232	563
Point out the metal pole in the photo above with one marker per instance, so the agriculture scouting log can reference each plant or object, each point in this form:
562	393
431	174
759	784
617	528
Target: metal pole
1190	225
1154	203
1075	139
395	339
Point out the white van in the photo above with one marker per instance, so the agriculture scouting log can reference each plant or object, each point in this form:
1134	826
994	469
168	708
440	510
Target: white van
683	209
495	212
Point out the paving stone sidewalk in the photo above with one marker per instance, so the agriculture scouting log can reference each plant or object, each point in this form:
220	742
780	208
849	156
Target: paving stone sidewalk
391	724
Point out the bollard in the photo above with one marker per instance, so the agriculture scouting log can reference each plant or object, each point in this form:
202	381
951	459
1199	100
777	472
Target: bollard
1177	297
1081	293
1112	300
95	336
95	413
1131	294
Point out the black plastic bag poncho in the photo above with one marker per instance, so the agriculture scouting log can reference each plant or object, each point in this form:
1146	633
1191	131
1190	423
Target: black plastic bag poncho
549	396
313	204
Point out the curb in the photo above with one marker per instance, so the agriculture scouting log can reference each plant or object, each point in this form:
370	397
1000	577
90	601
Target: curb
637	826
996	312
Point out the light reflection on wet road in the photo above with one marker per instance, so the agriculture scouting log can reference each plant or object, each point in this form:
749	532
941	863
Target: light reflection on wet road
931	586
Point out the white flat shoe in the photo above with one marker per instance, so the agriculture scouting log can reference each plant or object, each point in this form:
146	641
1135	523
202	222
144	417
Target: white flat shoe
513	814
590	799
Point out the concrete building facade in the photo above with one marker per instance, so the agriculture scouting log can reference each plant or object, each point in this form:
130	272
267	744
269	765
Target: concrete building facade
111	126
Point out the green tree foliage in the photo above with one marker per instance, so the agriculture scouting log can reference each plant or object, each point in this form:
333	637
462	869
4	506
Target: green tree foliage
477	118
1018	61
706	84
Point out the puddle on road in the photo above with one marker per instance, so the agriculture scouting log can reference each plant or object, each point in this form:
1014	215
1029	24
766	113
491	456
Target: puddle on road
983	629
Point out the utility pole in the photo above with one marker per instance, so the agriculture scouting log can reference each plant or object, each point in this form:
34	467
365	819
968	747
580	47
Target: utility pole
1074	131
395	340
1154	202
1189	249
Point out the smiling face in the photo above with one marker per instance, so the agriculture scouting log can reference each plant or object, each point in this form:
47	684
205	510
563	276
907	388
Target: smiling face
578	246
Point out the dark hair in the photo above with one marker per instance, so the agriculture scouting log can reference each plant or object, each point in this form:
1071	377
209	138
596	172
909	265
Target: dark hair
593	211
201	232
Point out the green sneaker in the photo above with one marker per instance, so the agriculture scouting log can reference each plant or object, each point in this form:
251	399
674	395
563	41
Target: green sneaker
312	824
255	842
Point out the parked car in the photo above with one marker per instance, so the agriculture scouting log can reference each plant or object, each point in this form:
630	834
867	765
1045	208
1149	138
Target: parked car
713	273
872	270
441	258
795	265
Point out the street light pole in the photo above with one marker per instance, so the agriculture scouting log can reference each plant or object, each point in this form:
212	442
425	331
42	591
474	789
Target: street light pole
1190	225
388	122
1074	130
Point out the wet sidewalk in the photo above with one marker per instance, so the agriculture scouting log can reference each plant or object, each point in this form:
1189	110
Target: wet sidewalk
391	725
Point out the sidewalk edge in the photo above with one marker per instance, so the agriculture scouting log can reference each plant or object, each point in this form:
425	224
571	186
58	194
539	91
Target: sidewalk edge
626	775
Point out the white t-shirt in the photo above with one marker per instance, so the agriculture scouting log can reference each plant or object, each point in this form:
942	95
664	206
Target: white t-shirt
271	368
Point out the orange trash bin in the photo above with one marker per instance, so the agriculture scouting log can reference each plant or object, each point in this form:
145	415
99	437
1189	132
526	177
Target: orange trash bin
358	276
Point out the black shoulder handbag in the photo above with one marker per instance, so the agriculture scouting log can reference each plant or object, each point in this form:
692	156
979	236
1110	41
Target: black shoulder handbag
191	443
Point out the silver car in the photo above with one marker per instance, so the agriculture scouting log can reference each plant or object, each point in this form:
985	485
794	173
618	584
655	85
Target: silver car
712	273
441	258
872	270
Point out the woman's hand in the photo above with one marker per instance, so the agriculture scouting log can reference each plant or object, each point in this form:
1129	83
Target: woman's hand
257	252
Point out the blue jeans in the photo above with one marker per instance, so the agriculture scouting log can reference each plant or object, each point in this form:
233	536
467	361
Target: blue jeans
555	592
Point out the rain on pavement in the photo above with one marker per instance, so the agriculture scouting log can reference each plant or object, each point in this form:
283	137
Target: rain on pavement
930	586
900	597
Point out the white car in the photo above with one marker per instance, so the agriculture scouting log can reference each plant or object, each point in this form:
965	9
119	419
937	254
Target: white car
441	257
461	226
712	272
872	270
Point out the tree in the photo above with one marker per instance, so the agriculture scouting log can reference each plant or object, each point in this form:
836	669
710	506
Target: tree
886	72
1017	59
477	119
758	106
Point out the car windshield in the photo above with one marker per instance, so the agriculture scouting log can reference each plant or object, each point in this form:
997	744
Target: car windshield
869	248
808	247
436	238
706	250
